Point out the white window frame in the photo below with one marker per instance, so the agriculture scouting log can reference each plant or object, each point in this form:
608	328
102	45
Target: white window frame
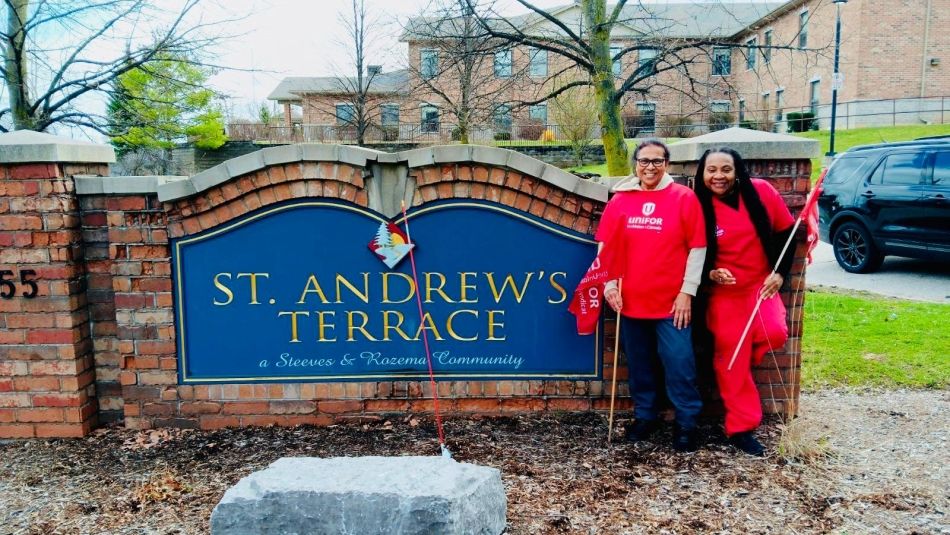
534	62
535	107
501	66
751	52
803	19
641	61
434	64
714	62
382	113
616	65
767	40
422	118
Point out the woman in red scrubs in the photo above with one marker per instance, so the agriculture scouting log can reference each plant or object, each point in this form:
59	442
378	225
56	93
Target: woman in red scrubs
747	224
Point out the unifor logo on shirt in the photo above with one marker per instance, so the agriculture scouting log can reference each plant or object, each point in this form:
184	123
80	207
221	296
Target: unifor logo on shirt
646	221
719	231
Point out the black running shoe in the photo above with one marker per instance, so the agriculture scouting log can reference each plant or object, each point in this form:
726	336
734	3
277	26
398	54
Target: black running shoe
747	442
684	440
641	430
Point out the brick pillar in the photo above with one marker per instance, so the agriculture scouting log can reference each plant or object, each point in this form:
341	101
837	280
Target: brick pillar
47	375
784	161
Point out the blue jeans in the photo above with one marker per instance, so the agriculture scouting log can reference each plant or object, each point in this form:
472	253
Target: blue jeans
642	338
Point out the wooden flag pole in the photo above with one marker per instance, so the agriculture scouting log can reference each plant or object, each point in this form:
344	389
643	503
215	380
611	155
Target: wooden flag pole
613	387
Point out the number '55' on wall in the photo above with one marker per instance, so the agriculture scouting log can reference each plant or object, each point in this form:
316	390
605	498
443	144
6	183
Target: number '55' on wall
8	287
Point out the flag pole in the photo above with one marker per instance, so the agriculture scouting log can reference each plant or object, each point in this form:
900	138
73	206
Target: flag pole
425	340
812	196
613	386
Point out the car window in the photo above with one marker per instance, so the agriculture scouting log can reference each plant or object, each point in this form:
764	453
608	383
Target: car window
903	169
843	169
942	169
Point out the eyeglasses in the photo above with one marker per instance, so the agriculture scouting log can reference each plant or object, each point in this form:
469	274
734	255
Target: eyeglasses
645	162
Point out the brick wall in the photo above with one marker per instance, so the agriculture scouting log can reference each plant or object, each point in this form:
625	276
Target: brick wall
102	327
46	349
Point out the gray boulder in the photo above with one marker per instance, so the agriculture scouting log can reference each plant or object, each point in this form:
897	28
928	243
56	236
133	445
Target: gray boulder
364	496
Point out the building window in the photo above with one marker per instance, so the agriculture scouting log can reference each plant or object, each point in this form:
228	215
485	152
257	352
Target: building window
750	53
389	114
720	106
430	119
779	104
765	107
618	65
429	63
767	51
647	61
741	110
502	118
503	63
814	93
647	113
722	61
538	112
803	29
345	114
539	62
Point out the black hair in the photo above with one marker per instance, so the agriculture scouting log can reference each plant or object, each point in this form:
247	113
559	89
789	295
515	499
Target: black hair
750	197
652	142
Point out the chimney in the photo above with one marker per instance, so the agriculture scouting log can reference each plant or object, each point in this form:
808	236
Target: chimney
373	70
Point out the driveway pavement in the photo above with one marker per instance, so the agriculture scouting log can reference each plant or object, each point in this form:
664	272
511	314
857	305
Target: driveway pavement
899	277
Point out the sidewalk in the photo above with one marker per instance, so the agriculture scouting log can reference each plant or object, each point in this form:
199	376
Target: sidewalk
906	278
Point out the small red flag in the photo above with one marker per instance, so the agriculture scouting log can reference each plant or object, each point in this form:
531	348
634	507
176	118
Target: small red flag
588	296
810	215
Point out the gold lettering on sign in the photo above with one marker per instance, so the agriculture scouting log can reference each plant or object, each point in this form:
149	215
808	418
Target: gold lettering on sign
322	326
407	278
350	326
364	296
492	324
465	286
293	323
557	287
253	277
224	289
312	281
397	327
437	289
451	329
509	280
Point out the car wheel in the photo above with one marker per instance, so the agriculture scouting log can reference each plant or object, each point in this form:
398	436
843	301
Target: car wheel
855	250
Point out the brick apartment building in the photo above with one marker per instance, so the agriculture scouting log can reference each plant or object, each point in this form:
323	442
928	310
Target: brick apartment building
777	58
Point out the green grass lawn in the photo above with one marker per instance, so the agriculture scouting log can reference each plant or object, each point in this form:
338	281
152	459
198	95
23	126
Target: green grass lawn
859	341
844	139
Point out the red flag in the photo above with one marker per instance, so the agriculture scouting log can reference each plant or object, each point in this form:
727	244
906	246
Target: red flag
810	215
588	296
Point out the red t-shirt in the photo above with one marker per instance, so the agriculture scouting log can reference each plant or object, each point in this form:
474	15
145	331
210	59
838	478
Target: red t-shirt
740	250
659	229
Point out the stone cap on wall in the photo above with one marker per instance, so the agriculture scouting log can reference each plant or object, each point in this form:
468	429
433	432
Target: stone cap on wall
363	157
122	185
27	146
750	144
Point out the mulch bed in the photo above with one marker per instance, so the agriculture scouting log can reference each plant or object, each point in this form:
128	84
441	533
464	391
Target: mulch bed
560	474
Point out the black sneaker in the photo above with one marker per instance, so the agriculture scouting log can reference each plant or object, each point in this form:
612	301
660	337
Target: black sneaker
684	440
747	443
641	430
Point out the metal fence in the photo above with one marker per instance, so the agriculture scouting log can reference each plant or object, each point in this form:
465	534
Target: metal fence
854	114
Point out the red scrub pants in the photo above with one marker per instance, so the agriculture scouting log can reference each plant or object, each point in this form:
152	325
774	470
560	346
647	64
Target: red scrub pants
726	318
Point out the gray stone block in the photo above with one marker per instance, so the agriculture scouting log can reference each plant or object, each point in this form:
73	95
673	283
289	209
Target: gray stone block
365	496
357	156
452	153
319	152
418	157
751	144
25	146
591	190
281	155
247	163
172	191
211	177
559	177
491	156
525	164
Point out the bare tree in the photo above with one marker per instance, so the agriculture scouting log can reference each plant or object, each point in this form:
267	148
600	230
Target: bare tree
466	73
358	95
589	54
57	53
575	111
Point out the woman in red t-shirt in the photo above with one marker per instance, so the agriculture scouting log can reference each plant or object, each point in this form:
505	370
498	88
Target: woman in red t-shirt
747	224
659	226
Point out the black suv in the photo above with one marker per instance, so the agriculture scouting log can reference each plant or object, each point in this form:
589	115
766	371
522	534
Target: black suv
888	199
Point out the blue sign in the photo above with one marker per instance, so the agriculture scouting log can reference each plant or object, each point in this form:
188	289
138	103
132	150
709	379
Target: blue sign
293	292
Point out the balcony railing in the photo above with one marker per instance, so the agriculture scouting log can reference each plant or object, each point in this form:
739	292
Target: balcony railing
855	114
